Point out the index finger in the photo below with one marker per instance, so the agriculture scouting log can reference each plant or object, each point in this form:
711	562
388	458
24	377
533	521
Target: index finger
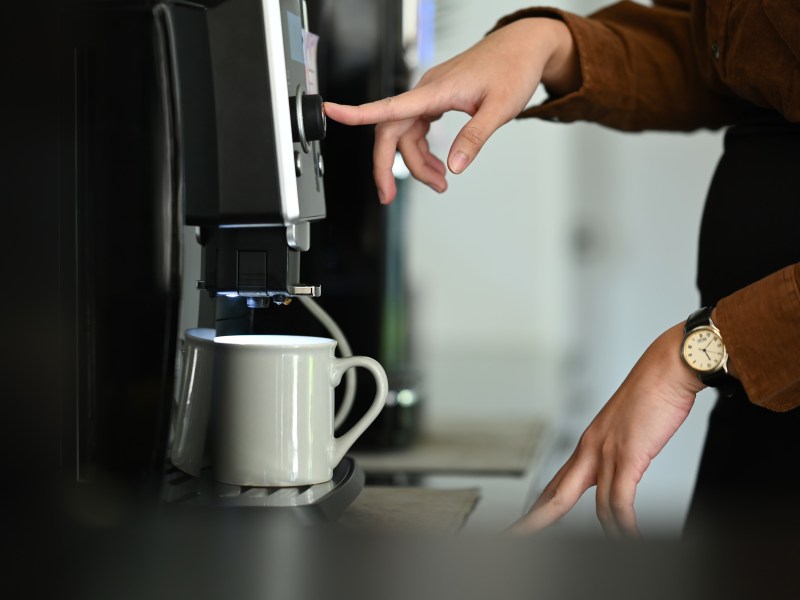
558	497
409	104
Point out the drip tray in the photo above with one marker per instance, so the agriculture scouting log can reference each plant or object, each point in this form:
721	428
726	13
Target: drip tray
321	502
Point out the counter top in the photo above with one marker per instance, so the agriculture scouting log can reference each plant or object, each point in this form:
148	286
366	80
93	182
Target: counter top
476	447
410	510
494	464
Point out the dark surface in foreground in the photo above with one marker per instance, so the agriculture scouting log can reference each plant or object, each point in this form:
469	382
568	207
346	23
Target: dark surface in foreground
90	549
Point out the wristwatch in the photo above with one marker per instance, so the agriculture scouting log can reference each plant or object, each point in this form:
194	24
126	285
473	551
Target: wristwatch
704	352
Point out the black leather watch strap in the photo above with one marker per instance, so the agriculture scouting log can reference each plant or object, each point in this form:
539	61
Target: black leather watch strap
722	381
702	316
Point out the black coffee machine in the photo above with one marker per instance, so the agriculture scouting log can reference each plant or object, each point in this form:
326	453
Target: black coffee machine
100	161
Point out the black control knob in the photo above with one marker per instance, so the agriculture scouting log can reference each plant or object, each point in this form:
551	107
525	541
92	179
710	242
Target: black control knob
308	118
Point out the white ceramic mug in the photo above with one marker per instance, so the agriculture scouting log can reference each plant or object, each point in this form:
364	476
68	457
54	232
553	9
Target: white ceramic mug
190	421
273	409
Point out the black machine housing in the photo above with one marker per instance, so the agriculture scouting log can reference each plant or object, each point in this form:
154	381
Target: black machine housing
246	139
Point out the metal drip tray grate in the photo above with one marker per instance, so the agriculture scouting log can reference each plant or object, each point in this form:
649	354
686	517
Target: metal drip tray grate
323	500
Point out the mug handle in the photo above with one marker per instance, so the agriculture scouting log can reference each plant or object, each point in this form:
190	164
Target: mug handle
343	443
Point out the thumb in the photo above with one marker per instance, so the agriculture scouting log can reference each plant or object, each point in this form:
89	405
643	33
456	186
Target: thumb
472	137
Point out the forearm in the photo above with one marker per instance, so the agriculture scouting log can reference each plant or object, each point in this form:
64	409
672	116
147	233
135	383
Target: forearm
637	70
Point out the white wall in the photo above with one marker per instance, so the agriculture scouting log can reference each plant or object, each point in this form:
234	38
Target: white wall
513	320
490	258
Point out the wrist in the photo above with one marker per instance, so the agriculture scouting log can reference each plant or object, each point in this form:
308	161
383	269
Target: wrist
562	72
549	40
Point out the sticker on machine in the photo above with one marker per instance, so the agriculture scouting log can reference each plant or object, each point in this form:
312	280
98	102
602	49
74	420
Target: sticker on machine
310	43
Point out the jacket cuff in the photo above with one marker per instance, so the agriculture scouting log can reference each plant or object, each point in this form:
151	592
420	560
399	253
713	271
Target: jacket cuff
761	328
588	102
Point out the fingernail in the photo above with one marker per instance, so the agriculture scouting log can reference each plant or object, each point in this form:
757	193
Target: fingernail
459	162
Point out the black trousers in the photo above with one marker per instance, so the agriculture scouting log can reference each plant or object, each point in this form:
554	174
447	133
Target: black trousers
749	477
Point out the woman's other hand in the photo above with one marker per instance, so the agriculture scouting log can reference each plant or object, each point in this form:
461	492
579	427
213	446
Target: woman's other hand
622	440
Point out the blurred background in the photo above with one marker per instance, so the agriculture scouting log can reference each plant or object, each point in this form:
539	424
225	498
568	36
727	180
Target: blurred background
548	267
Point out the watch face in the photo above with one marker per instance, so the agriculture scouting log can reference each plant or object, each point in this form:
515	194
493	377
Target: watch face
703	350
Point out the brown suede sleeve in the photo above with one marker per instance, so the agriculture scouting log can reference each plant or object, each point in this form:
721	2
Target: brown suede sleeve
761	328
639	71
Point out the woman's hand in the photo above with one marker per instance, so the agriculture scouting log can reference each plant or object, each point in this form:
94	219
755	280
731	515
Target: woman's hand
492	82
619	444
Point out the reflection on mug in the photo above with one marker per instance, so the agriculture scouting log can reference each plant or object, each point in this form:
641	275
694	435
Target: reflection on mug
190	421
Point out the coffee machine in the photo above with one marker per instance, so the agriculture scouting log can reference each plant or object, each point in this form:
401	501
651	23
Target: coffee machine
245	132
358	248
132	128
238	81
